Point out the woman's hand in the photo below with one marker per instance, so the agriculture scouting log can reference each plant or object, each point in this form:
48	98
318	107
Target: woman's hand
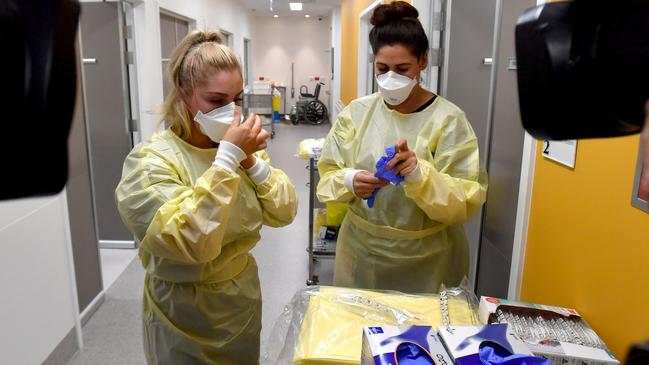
404	161
249	136
365	183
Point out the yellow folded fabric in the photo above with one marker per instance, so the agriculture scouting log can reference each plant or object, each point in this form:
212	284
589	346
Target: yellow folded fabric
332	328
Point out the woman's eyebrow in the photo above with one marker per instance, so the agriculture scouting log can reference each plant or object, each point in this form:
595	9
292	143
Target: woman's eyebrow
401	64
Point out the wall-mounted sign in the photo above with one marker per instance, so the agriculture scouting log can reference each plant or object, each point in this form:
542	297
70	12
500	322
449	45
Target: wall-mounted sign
563	152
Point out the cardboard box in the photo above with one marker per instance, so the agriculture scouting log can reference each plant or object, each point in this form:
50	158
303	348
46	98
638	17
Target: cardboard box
463	342
560	353
383	345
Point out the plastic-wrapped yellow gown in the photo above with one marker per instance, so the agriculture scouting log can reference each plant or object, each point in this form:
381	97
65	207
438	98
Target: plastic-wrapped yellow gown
196	224
413	239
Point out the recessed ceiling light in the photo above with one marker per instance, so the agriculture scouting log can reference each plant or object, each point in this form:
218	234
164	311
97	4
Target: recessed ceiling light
275	16
295	6
307	16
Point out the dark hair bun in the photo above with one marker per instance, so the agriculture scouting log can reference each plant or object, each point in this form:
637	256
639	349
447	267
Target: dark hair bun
394	11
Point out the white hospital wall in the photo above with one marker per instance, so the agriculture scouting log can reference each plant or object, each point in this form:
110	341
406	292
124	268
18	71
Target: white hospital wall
227	15
336	44
305	41
38	305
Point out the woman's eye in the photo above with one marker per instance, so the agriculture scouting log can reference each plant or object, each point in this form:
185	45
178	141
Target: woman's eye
402	70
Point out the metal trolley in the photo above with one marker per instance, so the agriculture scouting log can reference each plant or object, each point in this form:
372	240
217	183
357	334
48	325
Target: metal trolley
262	104
319	248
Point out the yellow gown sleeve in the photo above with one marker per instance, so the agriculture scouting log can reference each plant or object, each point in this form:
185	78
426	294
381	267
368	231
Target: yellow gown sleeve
452	188
277	196
331	165
170	219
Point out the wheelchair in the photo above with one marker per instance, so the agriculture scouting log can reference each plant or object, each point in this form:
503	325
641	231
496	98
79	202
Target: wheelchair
309	108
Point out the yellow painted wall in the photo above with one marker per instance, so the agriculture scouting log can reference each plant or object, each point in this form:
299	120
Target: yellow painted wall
587	247
349	12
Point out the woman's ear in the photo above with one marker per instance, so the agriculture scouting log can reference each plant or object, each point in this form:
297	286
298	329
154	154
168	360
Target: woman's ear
423	62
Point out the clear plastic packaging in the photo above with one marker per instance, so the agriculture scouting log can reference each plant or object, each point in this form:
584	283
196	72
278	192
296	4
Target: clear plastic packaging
546	327
558	334
310	147
324	325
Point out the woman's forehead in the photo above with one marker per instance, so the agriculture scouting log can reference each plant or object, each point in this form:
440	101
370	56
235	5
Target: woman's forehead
394	53
225	82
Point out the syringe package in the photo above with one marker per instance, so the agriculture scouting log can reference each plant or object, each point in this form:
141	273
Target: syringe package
555	333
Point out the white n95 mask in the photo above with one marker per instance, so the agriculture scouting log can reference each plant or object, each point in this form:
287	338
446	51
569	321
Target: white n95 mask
215	123
395	88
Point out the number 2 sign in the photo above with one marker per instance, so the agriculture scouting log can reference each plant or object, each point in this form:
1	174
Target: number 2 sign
563	152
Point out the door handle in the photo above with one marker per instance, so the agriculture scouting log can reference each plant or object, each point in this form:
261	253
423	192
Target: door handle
487	61
89	61
512	64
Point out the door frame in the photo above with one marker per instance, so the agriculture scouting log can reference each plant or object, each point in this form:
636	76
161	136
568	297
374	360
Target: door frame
365	73
228	37
164	61
93	306
129	90
445	41
431	16
525	192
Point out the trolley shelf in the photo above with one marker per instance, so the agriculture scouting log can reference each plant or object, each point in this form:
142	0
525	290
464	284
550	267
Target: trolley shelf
324	247
318	248
262	104
317	256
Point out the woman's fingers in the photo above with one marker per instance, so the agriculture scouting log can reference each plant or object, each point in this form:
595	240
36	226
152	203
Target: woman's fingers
368	178
365	183
364	193
406	167
263	136
248	122
399	157
255	126
237	118
402	145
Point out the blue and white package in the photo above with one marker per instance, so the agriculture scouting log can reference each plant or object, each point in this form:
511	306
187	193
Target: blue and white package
464	345
403	345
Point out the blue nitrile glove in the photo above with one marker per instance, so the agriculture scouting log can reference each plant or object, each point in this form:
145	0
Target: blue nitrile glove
370	200
492	354
382	172
493	332
411	354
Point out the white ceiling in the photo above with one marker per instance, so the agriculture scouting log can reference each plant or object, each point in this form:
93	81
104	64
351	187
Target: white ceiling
281	7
